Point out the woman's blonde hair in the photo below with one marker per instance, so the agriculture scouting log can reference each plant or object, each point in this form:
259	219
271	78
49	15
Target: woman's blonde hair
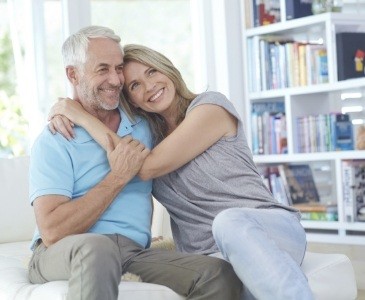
162	64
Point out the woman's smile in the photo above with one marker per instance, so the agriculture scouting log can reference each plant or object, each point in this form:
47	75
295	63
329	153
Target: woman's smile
156	96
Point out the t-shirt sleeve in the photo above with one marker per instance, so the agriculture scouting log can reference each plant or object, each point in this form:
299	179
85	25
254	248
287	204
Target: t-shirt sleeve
51	170
220	100
214	98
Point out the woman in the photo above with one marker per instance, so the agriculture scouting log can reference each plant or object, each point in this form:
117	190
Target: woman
205	176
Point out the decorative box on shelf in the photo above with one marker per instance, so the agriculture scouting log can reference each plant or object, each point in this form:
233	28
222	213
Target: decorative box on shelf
350	48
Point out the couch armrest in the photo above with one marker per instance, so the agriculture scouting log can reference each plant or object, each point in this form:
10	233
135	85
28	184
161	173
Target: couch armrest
17	221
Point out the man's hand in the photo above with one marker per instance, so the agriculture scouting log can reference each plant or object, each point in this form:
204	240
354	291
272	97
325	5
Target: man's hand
126	158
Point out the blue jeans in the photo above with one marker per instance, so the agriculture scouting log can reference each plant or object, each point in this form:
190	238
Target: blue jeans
265	248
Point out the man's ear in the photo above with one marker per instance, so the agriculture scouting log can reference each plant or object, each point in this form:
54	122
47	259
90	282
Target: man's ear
72	75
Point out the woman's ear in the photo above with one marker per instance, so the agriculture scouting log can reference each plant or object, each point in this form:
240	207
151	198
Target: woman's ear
72	75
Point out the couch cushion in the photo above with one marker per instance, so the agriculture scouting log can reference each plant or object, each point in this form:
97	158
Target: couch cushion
330	276
17	220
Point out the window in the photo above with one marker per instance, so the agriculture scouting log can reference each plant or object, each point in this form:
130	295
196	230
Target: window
31	69
13	122
163	25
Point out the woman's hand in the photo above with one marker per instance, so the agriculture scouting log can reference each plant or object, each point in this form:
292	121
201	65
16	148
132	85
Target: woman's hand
62	125
63	115
69	108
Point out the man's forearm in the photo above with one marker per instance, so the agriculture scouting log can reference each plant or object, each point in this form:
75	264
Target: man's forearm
78	215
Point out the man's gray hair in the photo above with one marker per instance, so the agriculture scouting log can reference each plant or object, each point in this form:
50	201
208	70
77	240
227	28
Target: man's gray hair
75	47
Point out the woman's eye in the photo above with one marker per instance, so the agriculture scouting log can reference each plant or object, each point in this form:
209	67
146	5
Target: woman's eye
134	86
151	71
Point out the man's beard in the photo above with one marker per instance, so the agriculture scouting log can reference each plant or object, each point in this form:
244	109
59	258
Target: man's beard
95	101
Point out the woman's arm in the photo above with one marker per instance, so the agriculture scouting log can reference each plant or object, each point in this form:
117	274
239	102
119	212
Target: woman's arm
201	128
67	112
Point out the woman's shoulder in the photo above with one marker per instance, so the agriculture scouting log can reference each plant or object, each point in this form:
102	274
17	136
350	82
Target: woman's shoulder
209	97
215	98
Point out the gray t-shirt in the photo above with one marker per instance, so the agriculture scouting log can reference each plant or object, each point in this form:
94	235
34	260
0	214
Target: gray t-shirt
224	176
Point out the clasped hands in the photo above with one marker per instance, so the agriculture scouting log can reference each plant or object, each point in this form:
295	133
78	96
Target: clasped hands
126	157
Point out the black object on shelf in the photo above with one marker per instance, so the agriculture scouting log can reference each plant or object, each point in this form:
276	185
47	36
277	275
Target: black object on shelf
350	55
298	9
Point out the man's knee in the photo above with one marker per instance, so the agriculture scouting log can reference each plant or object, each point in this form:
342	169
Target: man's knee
94	248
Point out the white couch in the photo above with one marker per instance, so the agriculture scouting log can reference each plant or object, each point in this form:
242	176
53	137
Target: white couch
331	276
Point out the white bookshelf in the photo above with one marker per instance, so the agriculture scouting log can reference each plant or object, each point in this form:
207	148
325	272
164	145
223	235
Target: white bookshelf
310	99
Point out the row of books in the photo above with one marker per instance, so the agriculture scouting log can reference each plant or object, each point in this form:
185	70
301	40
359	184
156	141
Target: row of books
324	132
264	12
314	211
353	177
276	64
291	184
294	184
268	128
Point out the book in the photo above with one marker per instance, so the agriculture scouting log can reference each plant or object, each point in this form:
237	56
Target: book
255	12
295	63
319	216
347	190
361	214
254	59
342	131
353	179
300	183
302	49
269	128
318	211
324	132
350	48
298	8
321	65
274	182
317	64
316	207
277	186
285	183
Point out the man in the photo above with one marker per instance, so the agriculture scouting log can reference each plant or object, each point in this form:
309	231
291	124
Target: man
94	220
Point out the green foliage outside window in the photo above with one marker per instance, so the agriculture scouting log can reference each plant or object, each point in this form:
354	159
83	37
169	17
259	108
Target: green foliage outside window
13	124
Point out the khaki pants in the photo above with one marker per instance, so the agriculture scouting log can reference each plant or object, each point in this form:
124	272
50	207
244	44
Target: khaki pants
94	263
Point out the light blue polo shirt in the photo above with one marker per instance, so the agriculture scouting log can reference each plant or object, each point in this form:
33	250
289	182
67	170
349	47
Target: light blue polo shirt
71	168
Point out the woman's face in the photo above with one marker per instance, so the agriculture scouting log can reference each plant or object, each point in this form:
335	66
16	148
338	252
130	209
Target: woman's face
148	89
